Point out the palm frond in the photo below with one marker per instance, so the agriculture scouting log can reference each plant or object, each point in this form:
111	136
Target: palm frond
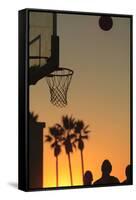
74	145
65	122
53	144
62	139
86	132
71	122
72	136
86	127
60	129
58	126
68	122
84	137
79	125
54	131
48	138
76	140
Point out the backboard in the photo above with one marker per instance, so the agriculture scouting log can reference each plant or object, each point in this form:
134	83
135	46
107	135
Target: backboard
40	31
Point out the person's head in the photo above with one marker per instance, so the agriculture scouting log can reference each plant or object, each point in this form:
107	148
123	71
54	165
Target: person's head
128	171
106	167
88	178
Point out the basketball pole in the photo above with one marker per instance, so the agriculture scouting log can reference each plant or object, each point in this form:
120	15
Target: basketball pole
55	42
54	24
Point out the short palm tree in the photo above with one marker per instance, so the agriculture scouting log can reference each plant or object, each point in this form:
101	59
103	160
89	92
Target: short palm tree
81	131
69	135
54	137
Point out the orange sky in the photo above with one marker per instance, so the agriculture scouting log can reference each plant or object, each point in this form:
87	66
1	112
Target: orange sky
98	94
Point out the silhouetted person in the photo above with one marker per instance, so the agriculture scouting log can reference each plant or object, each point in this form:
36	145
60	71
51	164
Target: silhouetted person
88	178
106	179
128	173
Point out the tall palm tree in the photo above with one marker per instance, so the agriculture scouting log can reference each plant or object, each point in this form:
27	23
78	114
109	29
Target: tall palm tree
81	131
68	124
54	137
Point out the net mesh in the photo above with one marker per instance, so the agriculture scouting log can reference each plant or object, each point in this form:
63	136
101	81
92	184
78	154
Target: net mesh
58	82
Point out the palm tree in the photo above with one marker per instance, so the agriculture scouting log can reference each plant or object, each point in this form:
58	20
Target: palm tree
69	135
81	131
54	137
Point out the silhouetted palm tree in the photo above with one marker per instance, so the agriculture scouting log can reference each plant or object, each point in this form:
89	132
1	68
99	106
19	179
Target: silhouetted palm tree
81	131
69	135
55	138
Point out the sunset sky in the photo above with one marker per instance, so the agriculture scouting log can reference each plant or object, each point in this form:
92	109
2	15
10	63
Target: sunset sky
99	95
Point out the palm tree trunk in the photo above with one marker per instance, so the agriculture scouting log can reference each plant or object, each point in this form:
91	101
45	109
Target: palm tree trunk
57	172
70	169
82	164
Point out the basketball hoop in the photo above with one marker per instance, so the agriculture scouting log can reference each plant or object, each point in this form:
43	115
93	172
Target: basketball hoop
58	82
